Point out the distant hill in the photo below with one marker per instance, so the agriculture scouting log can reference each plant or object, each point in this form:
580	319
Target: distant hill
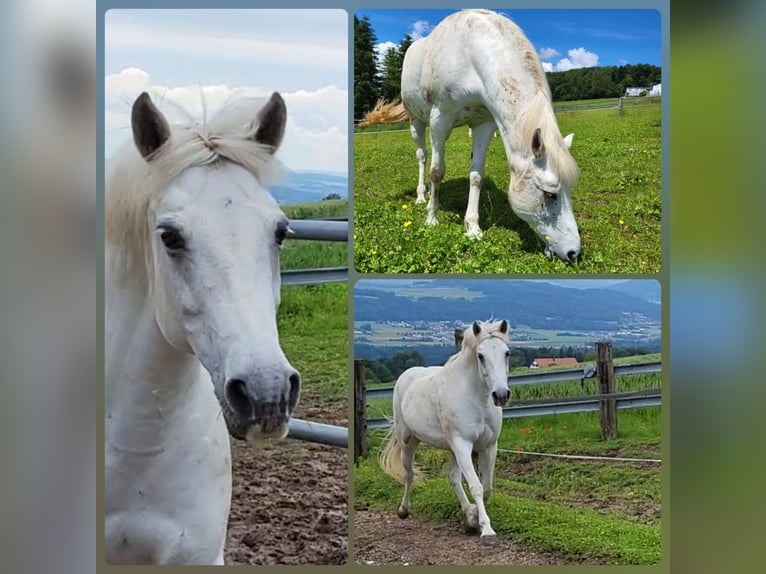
537	304
309	186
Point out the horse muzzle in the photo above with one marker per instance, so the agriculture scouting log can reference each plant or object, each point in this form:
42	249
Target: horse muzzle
259	411
500	398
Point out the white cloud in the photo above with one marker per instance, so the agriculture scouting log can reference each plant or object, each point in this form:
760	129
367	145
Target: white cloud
316	135
327	55
548	53
420	29
547	67
382	48
578	58
623	62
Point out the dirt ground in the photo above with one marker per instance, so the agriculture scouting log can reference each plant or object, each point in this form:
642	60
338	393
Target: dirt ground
290	499
384	538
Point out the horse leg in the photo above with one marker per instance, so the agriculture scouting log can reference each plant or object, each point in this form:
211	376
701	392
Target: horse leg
469	510
482	136
462	450
408	456
418	132
441	127
487	459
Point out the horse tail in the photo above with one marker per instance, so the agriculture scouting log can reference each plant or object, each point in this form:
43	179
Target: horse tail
385	113
390	460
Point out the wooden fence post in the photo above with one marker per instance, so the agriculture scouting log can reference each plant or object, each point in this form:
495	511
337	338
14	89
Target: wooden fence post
458	339
605	374
619	108
360	414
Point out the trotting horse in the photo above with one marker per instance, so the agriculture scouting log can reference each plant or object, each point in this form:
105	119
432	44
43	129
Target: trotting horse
478	68
192	350
455	407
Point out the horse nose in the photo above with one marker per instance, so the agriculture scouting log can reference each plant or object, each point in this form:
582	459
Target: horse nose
500	397
573	254
260	397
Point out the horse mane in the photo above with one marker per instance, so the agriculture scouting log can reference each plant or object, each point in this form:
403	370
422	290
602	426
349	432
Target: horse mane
539	114
133	182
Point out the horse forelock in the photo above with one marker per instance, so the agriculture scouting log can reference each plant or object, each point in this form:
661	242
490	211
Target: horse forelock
539	114
133	183
471	342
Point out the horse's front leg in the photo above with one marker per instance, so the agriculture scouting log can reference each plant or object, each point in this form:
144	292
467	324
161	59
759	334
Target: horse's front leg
487	459
470	512
418	132
462	450
441	127
482	136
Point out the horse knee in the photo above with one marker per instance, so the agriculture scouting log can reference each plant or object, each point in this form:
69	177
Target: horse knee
475	180
435	174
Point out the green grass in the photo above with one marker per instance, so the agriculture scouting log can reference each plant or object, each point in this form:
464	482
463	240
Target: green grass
584	510
313	319
617	202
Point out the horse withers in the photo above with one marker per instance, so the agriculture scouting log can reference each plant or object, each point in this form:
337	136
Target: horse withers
192	349
456	407
477	68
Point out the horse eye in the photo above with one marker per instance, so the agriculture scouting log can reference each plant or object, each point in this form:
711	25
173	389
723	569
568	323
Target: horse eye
481	357
549	196
172	240
507	353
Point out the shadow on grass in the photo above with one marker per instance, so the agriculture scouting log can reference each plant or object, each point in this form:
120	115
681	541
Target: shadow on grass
494	209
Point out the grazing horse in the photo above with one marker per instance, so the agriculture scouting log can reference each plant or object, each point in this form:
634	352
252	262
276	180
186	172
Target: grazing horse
455	407
192	349
477	68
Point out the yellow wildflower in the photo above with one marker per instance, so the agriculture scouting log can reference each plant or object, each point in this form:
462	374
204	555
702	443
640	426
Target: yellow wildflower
407	223
622	222
404	206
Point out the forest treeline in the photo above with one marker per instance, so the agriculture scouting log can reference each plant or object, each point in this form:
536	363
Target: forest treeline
373	79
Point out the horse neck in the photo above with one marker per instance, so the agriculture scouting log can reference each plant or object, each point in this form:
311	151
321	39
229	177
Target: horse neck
142	369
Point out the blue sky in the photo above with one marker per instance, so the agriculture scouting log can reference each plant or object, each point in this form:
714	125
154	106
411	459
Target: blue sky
565	39
303	54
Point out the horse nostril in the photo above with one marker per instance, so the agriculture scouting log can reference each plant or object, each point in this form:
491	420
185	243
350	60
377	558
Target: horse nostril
236	395
572	255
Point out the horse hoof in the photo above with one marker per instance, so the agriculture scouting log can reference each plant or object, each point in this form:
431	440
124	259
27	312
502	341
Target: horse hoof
488	539
420	200
474	234
431	221
402	513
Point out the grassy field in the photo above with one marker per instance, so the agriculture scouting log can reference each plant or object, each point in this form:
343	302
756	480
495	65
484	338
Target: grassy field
603	511
307	311
617	202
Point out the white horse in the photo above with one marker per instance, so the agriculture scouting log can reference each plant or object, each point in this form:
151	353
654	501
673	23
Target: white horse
192	349
478	68
455	407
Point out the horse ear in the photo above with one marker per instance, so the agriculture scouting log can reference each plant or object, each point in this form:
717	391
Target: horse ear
271	122
150	128
504	326
538	148
568	140
476	328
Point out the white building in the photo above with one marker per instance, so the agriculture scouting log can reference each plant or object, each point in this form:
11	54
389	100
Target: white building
656	90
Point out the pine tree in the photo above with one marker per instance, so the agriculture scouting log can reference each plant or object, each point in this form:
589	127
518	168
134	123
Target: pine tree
366	81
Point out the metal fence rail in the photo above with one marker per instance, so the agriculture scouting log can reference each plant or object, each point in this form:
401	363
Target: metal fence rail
578	405
331	229
320	229
545	377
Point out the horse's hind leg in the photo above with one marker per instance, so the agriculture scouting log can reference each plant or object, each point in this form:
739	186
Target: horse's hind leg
470	511
418	132
441	127
408	457
482	136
